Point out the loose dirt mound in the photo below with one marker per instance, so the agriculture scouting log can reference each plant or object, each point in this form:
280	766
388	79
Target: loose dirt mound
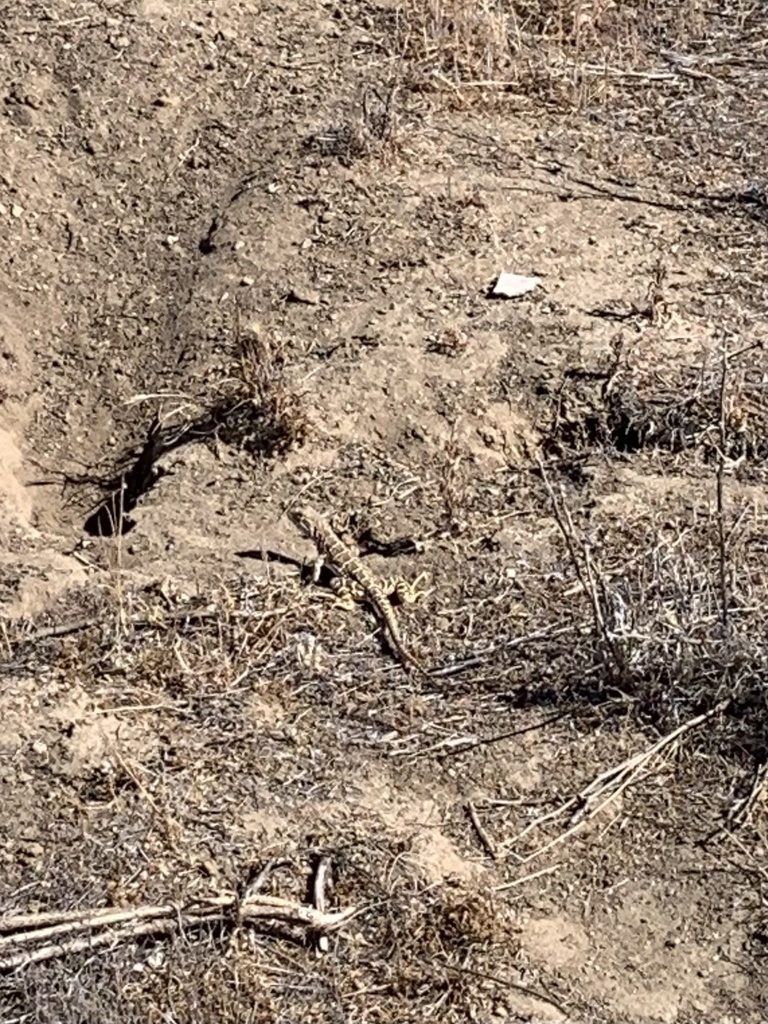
249	260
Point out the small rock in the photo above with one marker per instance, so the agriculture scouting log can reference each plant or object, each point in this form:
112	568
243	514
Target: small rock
167	100
247	282
40	748
156	958
16	210
306	295
31	851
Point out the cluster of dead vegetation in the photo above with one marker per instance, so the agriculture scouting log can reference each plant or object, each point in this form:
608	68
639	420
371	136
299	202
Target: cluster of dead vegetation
251	409
690	417
566	52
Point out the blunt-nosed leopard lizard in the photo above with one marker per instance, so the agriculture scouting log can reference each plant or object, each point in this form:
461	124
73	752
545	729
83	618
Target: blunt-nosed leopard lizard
349	565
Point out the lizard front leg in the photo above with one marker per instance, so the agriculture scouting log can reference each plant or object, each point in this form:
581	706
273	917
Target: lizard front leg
318	564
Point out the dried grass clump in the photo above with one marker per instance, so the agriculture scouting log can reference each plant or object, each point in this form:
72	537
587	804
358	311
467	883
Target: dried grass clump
260	413
670	612
681	416
458	38
543	44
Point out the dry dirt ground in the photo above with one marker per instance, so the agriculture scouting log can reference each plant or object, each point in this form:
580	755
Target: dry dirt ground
247	255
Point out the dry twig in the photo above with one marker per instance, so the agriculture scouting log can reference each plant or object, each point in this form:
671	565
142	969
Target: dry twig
582	564
723	434
482	835
607	786
319	883
110	927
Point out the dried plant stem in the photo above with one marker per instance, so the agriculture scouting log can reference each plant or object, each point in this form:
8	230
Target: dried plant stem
319	884
111	937
79	924
582	565
551	870
482	835
721	540
149	920
180	615
607	786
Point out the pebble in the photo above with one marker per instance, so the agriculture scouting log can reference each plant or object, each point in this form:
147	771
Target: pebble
306	295
31	851
16	210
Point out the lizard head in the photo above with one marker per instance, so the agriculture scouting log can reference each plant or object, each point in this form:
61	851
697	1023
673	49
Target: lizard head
303	517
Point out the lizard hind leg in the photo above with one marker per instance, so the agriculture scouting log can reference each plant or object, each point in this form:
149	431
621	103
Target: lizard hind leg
348	594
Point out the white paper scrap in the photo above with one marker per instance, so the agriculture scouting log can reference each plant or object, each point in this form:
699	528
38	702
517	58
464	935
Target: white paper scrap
512	286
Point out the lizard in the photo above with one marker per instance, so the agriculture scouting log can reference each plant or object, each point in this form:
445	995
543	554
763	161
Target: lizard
349	566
